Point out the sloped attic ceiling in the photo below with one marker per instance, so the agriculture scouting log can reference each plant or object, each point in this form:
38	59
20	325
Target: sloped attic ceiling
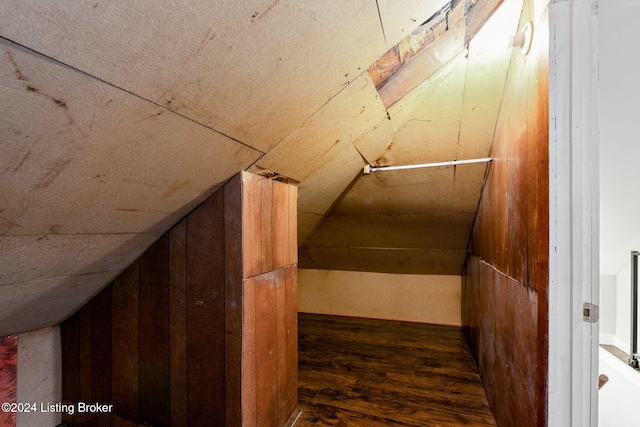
419	221
120	117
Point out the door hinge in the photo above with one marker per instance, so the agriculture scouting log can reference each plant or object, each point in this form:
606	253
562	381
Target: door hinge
590	312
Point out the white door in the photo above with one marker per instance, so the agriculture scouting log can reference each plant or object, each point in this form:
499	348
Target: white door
574	229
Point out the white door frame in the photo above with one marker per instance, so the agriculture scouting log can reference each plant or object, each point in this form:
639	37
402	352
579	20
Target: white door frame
574	212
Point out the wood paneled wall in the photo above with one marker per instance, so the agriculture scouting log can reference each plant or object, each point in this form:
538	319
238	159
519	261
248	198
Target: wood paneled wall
8	377
505	280
202	329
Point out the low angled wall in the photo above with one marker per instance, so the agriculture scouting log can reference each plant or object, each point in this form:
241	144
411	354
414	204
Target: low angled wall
406	297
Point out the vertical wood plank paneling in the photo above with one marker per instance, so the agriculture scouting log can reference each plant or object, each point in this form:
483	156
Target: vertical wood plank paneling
486	211
291	350
517	175
272	345
280	224
101	352
196	332
534	178
125	348
251	224
205	313
505	281
66	417
154	397
496	222
178	323
507	360
233	316
539	237
266	349
293	224
86	371
8	377
249	361
85	314
280	277
70	336
121	422
266	244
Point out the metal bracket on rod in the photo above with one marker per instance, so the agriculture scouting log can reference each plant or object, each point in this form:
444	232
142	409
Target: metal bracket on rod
633	354
369	169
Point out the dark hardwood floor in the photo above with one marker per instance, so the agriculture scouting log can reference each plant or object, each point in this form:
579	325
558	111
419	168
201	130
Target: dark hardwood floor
362	372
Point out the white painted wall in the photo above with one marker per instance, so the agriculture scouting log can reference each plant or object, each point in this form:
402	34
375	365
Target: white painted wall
623	309
608	303
619	161
619	201
619	397
407	297
615	309
619	133
39	375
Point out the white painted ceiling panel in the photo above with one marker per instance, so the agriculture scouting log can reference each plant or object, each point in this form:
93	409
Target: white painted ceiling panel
487	65
450	116
400	18
61	255
411	192
40	218
38	304
118	153
252	70
447	231
469	180
318	193
353	113
120	117
401	261
438	98
372	145
424	141
307	224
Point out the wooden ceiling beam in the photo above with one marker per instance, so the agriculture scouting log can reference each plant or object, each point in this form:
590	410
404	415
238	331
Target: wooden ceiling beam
449	32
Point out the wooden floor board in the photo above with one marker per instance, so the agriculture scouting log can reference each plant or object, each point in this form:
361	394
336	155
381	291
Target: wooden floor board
364	372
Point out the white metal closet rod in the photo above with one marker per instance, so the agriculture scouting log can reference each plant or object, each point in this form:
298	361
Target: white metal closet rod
368	168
